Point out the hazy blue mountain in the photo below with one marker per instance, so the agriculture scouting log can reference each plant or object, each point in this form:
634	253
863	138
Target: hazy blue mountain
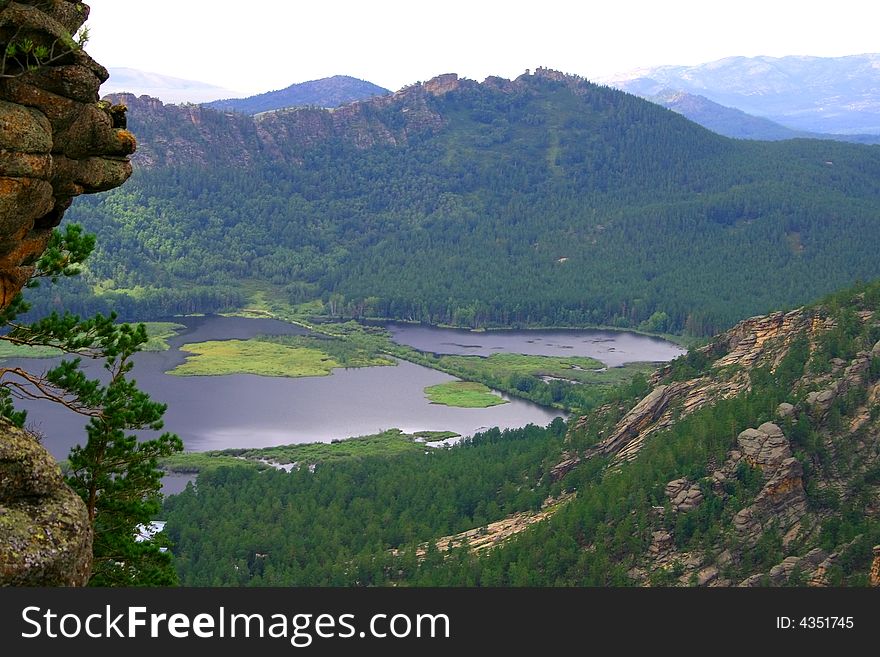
735	123
326	92
816	94
164	87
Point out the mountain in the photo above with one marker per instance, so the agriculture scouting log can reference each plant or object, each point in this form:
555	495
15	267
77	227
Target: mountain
544	200
326	92
815	94
751	461
167	88
725	121
737	124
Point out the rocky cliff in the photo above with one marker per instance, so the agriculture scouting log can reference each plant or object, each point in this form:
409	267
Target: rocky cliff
57	141
196	135
792	481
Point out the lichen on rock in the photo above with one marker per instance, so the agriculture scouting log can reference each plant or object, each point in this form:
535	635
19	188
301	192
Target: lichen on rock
45	535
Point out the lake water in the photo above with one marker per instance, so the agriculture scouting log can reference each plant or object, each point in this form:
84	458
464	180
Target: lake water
613	348
218	412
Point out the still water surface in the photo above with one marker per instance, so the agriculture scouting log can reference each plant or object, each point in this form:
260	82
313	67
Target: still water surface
218	412
613	348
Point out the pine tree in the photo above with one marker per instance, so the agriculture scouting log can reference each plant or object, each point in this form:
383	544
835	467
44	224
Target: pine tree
116	474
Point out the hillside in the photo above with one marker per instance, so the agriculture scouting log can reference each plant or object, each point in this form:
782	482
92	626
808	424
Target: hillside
541	200
326	92
752	461
814	94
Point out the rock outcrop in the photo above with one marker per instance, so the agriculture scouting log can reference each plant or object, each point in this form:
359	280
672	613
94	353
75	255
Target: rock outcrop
683	495
782	483
45	538
781	501
57	140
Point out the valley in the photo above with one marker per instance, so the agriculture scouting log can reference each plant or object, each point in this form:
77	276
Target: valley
541	201
510	332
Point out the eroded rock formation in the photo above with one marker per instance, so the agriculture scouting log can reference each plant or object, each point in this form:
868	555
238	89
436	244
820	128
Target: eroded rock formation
57	140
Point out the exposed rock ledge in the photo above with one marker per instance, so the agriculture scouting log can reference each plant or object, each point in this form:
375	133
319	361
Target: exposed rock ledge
56	139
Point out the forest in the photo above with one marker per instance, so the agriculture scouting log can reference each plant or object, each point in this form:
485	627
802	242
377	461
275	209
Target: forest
549	203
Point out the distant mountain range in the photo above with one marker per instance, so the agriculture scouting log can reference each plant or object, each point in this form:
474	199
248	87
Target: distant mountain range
731	122
760	98
326	92
164	87
813	94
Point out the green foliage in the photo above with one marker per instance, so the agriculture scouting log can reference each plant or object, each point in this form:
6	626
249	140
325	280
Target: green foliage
693	364
116	474
572	383
463	394
20	53
387	443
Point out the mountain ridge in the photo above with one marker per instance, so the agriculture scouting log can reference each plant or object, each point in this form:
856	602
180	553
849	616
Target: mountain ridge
734	123
814	94
326	92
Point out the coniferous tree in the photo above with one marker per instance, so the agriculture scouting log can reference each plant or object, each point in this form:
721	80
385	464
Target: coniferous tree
115	473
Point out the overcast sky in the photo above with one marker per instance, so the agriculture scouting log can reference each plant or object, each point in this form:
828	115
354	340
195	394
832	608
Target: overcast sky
260	45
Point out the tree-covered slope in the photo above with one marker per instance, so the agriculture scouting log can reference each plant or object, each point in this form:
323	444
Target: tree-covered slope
543	200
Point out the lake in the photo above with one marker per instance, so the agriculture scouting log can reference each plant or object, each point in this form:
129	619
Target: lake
218	412
613	348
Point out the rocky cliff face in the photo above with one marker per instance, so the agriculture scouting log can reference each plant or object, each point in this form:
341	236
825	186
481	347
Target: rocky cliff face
192	134
57	140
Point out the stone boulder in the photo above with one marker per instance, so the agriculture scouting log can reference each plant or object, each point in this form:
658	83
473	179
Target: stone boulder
683	495
782	501
785	410
765	447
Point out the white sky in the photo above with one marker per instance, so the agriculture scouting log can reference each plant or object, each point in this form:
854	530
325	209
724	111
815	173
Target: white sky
261	45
